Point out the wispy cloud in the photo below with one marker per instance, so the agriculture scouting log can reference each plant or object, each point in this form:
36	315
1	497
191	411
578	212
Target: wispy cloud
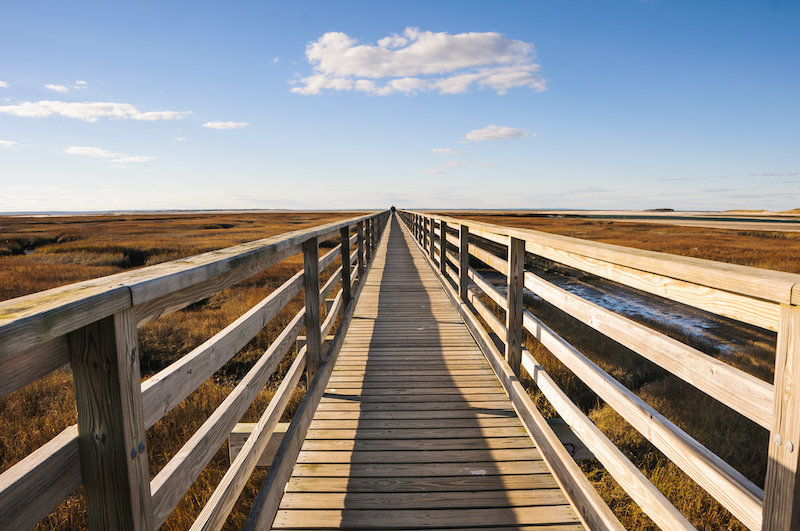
88	111
105	154
57	88
495	132
275	60
447	151
420	61
9	143
179	138
79	82
225	125
784	174
3	84
433	170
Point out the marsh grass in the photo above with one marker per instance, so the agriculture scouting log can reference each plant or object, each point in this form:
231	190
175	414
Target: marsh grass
71	249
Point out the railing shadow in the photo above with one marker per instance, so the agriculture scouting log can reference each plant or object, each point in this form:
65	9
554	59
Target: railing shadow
420	447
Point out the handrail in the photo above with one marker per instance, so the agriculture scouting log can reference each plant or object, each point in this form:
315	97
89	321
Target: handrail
92	325
764	298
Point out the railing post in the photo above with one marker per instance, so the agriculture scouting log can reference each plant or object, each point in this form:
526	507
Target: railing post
443	248
360	239
432	242
111	434
345	268
376	227
463	262
782	488
368	238
311	288
516	271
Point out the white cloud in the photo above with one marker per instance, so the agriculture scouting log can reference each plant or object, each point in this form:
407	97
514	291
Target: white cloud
421	61
105	154
495	132
433	170
88	111
179	138
57	88
79	82
275	60
447	151
3	84
225	125
8	143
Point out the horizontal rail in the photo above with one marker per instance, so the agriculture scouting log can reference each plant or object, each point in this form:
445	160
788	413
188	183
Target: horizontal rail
28	321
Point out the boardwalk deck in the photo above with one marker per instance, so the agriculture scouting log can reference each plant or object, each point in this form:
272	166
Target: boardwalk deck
414	430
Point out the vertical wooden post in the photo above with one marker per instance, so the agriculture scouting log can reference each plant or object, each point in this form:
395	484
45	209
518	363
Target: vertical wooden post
345	268
516	271
313	333
376	227
425	237
368	238
443	248
782	488
360	239
111	434
432	242
463	262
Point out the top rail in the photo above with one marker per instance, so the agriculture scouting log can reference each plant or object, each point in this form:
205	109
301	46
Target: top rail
743	293
29	321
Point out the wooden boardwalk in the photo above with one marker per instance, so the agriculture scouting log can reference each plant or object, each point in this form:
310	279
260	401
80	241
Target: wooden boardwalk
414	429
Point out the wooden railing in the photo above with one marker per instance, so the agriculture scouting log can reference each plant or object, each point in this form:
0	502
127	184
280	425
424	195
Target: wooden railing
767	299
92	326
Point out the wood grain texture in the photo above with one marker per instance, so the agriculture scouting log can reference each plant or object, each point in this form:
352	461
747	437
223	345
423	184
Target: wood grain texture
413	407
20	369
111	433
463	262
312	316
781	490
346	266
516	269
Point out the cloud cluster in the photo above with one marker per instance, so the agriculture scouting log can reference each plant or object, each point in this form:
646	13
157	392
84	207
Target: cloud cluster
419	61
88	111
8	143
105	154
3	84
447	151
225	125
495	132
57	88
784	174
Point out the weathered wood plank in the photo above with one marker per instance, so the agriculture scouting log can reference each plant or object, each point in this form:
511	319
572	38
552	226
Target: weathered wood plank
467	483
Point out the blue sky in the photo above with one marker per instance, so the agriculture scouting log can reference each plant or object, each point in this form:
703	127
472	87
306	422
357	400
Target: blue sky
331	105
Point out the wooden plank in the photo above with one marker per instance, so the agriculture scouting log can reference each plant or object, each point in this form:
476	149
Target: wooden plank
428	500
242	431
168	388
630	478
398	518
32	488
360	250
408	457
463	262
216	510
765	284
727	485
172	482
738	390
781	496
413	414
418	424
111	433
20	369
467	483
434	433
384	470
478	443
332	404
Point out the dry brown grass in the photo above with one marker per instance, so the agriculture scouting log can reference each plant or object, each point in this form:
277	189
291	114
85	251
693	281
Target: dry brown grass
71	249
735	439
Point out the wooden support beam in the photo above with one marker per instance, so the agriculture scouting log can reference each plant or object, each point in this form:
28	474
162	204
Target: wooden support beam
443	247
311	280
111	434
463	262
781	489
368	238
346	266
360	238
432	241
516	280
